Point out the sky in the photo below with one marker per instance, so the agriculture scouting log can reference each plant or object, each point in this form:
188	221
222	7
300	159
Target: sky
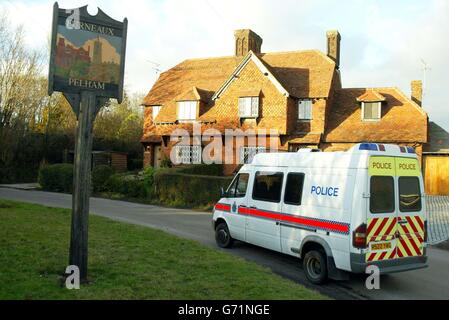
384	43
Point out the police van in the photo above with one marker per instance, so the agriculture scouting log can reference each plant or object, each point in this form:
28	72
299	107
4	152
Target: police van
338	211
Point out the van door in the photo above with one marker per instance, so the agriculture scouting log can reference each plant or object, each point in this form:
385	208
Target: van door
237	198
395	209
381	209
262	223
411	215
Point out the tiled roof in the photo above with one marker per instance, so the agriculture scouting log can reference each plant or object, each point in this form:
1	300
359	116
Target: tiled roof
438	140
371	96
302	73
402	119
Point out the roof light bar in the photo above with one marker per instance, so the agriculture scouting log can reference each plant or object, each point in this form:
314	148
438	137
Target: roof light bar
410	150
368	146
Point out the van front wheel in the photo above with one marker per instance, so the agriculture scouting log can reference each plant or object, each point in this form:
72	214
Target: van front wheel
223	236
315	266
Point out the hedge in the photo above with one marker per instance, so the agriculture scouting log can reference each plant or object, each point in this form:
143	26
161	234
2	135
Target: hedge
100	175
56	177
132	186
202	169
180	189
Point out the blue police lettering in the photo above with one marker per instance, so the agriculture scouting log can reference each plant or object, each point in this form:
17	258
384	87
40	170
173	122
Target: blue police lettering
325	191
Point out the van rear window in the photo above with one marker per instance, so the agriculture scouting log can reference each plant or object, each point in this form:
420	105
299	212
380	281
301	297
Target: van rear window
409	194
268	186
381	194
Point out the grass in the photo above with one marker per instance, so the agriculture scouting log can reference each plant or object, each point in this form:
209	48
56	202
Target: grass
125	262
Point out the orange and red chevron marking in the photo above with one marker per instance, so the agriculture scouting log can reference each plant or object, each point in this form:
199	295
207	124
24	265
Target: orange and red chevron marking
408	232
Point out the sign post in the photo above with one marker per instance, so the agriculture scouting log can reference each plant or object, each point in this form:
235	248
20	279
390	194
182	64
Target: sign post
87	65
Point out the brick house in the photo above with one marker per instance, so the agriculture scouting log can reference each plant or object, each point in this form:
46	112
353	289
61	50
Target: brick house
297	94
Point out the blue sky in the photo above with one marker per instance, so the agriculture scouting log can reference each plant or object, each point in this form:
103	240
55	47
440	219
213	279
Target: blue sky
383	42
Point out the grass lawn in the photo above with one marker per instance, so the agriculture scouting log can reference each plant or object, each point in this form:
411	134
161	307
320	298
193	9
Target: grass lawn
125	262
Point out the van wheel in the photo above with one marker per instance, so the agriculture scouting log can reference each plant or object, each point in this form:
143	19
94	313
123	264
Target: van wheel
315	266
223	236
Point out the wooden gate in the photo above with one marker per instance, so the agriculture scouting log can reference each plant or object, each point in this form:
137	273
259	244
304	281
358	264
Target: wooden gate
436	174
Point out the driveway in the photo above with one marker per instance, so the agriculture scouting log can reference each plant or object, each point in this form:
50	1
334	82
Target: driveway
430	283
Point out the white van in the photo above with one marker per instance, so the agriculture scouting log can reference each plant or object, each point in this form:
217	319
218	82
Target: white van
338	211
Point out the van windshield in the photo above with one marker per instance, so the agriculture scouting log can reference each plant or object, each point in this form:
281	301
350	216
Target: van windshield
381	194
409	194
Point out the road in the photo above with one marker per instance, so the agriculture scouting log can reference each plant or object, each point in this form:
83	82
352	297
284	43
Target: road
430	283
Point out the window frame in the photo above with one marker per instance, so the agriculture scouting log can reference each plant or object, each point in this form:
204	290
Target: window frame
419	193
257	149
280	189
191	151
379	111
182	104
236	181
307	111
254	111
393	196
158	108
301	174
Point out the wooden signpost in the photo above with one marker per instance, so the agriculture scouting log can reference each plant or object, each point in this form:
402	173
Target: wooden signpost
87	64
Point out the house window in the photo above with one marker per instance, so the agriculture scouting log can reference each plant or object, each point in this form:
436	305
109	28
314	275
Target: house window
371	111
248	107
305	110
156	110
187	110
188	154
247	153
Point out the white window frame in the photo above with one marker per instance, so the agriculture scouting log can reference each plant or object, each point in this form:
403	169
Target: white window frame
186	154
156	110
187	110
379	112
249	107
247	154
305	110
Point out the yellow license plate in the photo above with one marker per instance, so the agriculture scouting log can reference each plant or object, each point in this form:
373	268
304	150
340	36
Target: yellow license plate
381	246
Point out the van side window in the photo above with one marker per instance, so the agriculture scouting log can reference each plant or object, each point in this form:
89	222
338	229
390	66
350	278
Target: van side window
409	194
238	186
381	194
293	188
268	186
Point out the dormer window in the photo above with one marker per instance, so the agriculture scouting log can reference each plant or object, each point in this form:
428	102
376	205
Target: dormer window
371	111
187	110
305	110
248	107
156	110
371	103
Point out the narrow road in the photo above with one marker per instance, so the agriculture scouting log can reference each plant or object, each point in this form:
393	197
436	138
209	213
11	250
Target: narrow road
430	283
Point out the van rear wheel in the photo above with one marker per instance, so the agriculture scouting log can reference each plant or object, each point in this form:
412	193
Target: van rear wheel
315	266
223	236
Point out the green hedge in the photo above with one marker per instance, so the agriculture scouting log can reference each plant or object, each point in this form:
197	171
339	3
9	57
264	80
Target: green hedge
202	169
56	177
132	186
179	189
100	176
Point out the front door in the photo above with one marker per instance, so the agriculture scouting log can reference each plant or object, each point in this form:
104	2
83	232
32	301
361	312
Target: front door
395	227
157	156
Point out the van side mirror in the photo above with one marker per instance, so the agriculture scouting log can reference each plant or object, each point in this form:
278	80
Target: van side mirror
223	193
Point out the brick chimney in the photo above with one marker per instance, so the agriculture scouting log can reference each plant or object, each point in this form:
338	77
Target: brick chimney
333	46
417	92
245	40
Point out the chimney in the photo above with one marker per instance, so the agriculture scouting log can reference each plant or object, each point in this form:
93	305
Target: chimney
333	46
245	40
417	92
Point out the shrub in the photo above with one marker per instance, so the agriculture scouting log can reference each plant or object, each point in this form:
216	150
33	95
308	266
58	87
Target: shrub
148	180
202	169
128	185
56	177
100	175
166	163
179	189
